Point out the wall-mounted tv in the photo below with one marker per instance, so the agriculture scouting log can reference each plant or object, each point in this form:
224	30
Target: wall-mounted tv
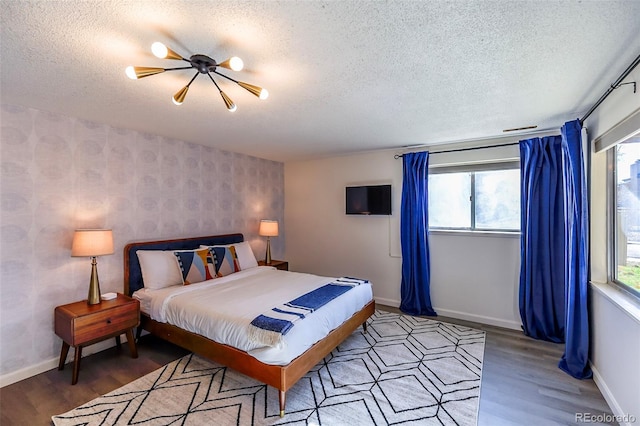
369	200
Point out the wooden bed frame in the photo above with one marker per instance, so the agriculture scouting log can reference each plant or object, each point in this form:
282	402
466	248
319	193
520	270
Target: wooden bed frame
280	377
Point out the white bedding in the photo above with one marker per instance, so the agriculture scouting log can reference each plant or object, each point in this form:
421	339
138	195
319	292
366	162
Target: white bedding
221	309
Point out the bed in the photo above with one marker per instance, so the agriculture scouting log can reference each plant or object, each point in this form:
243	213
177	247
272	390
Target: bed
280	369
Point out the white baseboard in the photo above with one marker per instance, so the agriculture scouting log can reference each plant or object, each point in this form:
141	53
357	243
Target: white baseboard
608	395
482	319
513	325
387	302
32	370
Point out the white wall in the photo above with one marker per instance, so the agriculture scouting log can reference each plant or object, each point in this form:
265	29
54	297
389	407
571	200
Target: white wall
476	277
473	277
61	173
324	240
615	320
615	350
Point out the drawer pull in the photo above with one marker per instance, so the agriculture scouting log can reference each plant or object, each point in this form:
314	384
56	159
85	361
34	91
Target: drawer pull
109	321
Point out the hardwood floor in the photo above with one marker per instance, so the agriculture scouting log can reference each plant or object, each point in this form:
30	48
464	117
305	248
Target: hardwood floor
33	401
521	382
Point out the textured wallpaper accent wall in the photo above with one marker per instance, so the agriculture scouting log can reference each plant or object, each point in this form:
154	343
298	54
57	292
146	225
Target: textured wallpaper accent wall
62	173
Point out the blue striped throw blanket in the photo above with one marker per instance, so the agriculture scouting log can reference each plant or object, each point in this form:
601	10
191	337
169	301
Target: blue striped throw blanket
270	327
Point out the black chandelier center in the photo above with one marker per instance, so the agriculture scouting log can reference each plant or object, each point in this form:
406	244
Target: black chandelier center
203	63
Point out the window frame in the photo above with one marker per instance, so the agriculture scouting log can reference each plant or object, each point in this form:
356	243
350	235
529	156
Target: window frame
612	225
473	168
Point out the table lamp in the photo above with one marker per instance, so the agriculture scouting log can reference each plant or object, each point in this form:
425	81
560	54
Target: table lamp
268	228
92	243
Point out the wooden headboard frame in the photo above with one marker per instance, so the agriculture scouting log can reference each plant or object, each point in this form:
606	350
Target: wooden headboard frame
133	274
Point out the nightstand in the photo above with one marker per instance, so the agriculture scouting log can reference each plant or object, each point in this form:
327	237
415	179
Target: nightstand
283	265
80	324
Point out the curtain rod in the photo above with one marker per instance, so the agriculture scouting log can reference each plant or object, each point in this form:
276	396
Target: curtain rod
613	87
464	149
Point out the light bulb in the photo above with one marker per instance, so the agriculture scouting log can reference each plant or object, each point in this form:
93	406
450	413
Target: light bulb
233	63
159	50
256	90
236	63
131	73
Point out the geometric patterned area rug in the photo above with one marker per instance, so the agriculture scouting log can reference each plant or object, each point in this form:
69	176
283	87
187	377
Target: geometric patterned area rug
404	370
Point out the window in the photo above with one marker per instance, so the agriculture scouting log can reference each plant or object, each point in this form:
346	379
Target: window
475	200
626	214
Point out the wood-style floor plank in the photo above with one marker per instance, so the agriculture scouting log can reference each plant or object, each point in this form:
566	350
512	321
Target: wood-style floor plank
33	401
521	382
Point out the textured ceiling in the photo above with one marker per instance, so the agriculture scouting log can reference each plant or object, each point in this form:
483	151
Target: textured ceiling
343	76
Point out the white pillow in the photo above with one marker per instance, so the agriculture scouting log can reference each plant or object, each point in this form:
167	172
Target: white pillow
246	258
244	253
159	268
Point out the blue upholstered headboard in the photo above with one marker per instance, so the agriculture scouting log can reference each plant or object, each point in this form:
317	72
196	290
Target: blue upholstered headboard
132	273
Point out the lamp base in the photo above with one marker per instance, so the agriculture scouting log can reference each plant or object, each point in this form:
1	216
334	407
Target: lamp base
94	285
267	258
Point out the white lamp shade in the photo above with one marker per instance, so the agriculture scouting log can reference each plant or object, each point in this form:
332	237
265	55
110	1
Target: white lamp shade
92	242
268	228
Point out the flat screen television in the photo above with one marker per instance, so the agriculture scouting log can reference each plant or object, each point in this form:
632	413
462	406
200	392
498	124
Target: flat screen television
369	200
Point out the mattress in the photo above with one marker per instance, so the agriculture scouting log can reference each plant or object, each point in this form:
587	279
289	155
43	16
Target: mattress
222	309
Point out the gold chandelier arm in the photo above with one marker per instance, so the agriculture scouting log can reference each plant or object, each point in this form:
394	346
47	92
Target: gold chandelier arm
256	90
178	68
173	55
227	100
141	72
227	77
160	50
136	73
194	77
178	98
233	63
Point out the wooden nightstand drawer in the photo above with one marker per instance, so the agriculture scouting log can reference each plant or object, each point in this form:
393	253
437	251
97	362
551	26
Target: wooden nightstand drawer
79	324
104	323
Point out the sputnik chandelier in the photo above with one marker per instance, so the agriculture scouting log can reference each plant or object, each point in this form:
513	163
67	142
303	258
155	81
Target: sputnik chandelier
203	65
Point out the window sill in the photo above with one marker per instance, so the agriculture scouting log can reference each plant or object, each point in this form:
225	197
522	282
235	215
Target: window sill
465	233
626	302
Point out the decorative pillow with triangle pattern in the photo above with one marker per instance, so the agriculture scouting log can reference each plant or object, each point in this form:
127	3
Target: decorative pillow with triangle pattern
197	265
